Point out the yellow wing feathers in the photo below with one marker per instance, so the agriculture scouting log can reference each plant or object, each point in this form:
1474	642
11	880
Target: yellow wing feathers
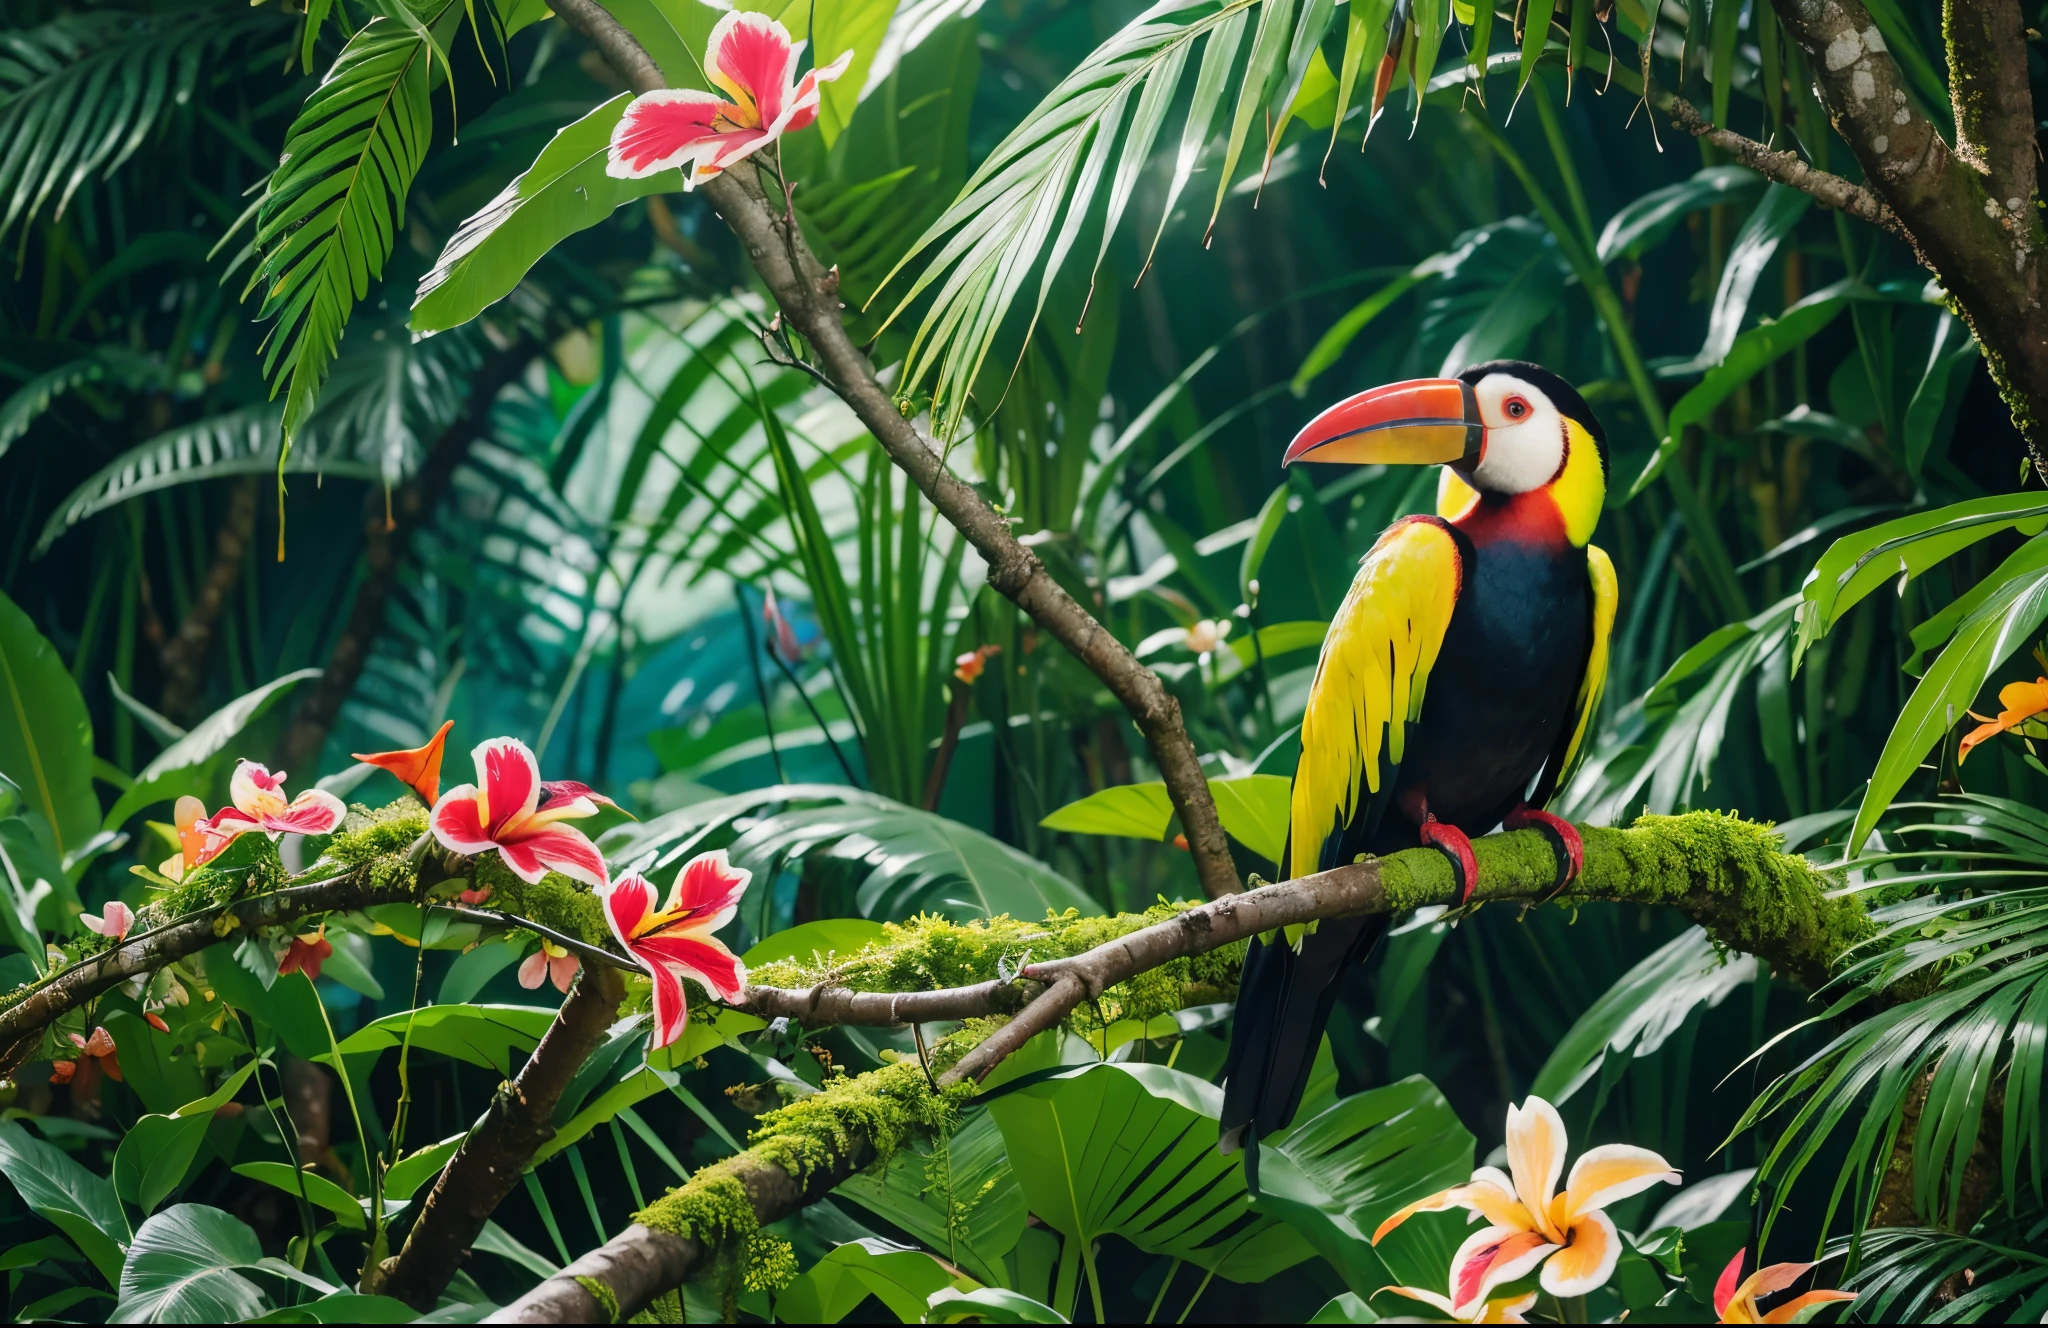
1606	596
1369	682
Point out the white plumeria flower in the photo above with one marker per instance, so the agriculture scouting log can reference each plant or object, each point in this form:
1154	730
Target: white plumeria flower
1529	1222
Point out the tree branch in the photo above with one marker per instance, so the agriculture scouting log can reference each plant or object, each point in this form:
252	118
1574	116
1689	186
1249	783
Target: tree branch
809	301
1787	168
1724	873
1970	214
483	1171
184	657
22	1023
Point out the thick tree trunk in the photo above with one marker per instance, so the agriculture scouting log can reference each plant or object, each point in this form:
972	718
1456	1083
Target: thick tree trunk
1969	211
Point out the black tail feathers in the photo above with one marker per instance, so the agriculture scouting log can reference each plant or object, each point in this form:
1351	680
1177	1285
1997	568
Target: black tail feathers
1284	999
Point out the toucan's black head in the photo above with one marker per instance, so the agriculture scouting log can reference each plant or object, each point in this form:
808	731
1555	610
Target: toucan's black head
1562	395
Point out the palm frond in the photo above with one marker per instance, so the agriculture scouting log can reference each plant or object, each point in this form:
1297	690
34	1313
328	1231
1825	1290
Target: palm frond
1911	1275
33	398
82	93
1959	971
327	223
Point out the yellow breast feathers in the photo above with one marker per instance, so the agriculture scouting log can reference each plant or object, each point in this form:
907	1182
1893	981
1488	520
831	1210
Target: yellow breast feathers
1370	679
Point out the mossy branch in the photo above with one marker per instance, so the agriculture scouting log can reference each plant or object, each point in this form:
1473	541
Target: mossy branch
1727	874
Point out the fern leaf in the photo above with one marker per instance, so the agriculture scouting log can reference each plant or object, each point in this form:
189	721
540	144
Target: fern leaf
335	203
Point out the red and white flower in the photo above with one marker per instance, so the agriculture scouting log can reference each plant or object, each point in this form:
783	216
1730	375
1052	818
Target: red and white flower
509	809
1736	1296
260	804
305	955
550	963
676	942
113	922
752	59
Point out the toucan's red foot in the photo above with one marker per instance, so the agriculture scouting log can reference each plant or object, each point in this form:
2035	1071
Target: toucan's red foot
1562	834
1452	842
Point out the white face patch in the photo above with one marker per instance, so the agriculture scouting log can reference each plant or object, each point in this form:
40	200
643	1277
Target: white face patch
1525	438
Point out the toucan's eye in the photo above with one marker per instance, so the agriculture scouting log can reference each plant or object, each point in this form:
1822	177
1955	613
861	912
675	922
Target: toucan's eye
1517	408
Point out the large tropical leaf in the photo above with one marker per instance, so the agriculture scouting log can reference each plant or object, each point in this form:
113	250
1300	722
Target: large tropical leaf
63	1192
183	1269
190	764
333	208
45	732
1130	1150
898	860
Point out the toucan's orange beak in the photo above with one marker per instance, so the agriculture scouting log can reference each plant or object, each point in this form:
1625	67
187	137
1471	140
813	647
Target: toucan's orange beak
1422	422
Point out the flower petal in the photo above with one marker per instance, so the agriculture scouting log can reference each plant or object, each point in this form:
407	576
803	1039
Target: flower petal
1435	1203
255	790
457	821
562	971
418	768
1790	1311
1611	1173
1429	1298
1490	1257
699	956
534	970
1728	1285
524	862
627	902
1536	1145
661	131
314	812
752	58
671	1005
564	848
1768	1280
1586	1262
1507	1311
510	778
708	889
803	103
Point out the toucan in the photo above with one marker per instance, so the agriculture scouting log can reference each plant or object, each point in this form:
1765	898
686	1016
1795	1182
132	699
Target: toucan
1456	686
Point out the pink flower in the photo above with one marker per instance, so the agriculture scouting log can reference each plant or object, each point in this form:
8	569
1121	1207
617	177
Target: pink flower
97	1050
475	896
549	963
750	57
113	921
781	636
509	809
676	942
260	804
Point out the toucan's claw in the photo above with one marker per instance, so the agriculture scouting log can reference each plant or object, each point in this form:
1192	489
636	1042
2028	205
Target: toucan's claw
1563	836
1452	842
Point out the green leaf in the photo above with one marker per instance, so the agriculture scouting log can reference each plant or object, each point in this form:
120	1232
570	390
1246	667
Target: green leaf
28	1254
2003	624
334	205
1342	1173
157	1152
81	1205
290	1006
1641	225
1330	347
1932	411
181	1269
1932	631
1641	1011
1857	564
644	1082
1131	1150
418	1167
484	1035
1253	809
988	1305
319	1191
902	1278
1755	245
565	191
39	896
473	969
1496	285
190	764
1346	1308
45	732
345	1307
496	1240
815	942
238	442
972	1206
1752	352
33	398
851	25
